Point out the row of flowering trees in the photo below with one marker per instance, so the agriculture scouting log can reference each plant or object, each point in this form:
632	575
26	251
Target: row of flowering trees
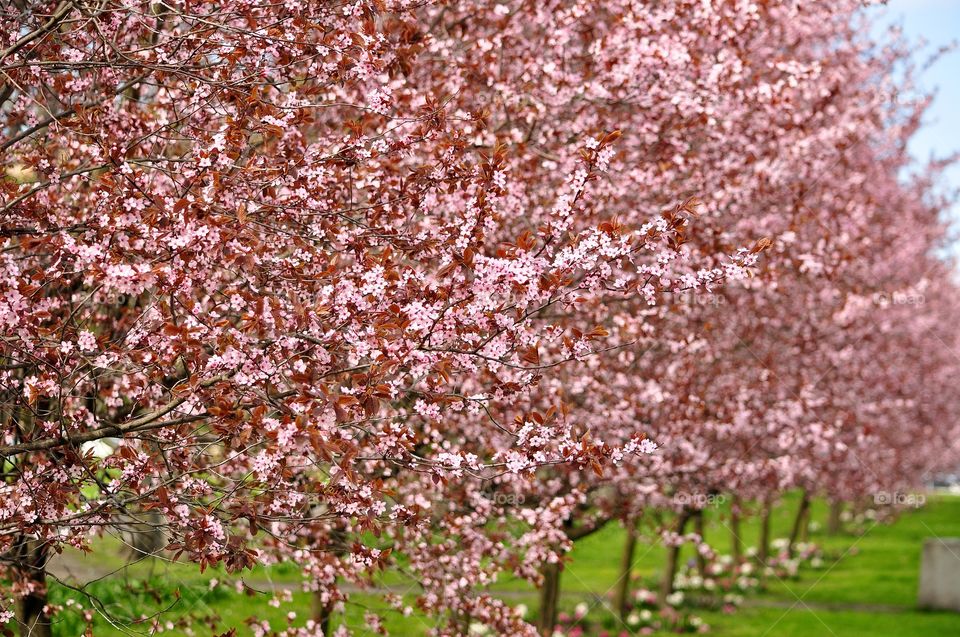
443	287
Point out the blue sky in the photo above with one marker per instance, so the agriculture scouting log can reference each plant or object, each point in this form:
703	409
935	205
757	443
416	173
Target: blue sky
937	22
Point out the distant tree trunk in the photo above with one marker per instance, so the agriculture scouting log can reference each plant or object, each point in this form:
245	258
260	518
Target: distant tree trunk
698	528
860	505
736	543
33	620
321	613
549	597
834	523
763	551
802	510
673	556
323	609
626	569
550	592
144	534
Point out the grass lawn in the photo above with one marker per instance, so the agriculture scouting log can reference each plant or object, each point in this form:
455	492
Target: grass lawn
866	586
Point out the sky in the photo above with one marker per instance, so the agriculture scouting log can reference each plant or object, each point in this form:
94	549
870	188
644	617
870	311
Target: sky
937	22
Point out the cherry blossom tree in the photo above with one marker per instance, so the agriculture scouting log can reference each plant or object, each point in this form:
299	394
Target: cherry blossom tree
458	282
266	251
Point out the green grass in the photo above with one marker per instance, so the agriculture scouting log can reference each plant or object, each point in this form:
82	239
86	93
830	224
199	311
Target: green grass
801	622
867	585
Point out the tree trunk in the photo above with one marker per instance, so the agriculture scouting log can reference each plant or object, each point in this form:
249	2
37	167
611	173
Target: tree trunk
736	544
795	532
698	528
550	591
763	551
673	556
321	613
323	609
144	534
626	569
33	620
834	523
549	597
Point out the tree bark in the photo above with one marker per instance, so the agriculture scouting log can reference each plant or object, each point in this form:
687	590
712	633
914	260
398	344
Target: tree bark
698	528
736	544
549	597
802	510
626	569
673	556
33	620
834	523
550	591
145	534
763	551
321	613
322	610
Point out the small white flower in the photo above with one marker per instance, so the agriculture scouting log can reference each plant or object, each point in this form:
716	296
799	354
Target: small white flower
675	599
